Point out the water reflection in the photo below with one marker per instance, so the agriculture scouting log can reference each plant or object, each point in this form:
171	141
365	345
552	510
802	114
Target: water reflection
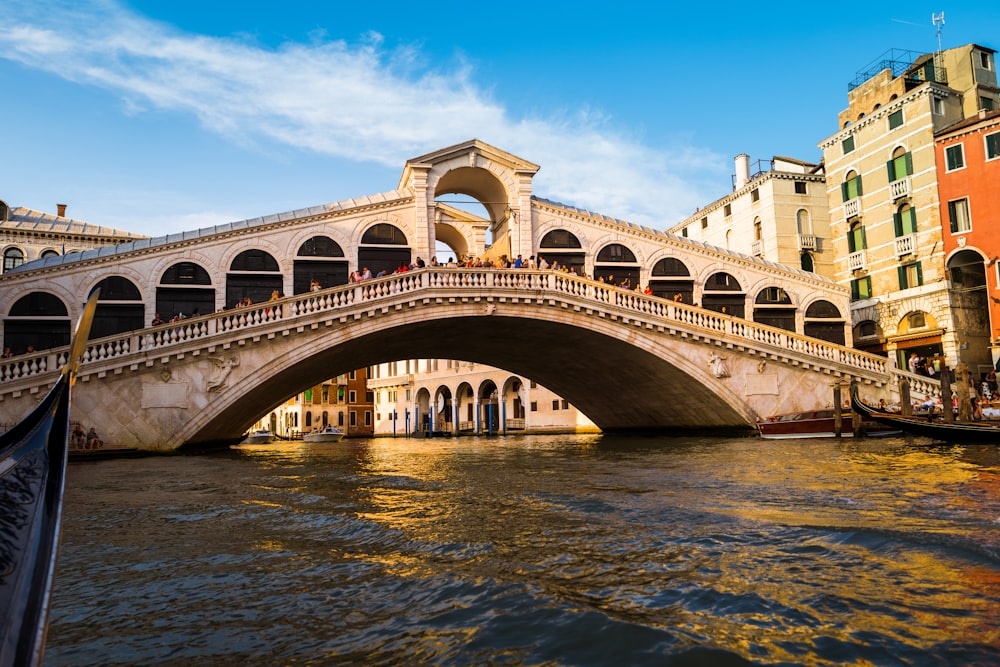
534	550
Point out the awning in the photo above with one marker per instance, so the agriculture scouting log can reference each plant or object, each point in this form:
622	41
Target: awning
917	339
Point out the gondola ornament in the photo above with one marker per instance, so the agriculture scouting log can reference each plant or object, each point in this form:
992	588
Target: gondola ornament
33	456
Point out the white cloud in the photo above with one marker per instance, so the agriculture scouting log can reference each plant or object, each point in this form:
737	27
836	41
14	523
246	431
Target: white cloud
355	101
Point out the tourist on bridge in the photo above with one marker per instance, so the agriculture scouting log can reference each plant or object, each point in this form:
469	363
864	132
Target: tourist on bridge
157	320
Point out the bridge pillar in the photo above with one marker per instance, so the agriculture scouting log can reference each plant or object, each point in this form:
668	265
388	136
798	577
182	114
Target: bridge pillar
423	241
454	417
476	407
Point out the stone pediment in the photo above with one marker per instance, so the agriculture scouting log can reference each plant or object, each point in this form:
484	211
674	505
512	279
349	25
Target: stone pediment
472	153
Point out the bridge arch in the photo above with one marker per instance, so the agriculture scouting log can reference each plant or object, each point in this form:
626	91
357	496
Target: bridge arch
564	244
773	306
612	257
120	307
669	276
487	182
723	293
460	242
822	319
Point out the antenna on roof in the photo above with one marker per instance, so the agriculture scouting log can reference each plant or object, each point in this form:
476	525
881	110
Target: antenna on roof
938	21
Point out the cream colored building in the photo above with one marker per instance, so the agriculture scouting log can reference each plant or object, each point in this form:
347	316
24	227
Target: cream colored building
778	212
883	199
464	398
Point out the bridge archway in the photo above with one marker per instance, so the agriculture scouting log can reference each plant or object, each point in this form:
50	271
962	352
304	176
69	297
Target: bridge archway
670	277
320	259
253	274
773	306
824	320
723	293
489	407
564	247
616	263
119	308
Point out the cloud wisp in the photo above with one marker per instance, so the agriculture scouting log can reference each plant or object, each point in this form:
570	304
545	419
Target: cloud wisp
358	102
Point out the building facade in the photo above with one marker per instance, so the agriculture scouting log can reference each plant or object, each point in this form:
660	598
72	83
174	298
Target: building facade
449	397
968	160
343	401
778	212
885	208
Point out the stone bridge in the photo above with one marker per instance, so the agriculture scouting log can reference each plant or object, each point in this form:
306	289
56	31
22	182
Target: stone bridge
627	360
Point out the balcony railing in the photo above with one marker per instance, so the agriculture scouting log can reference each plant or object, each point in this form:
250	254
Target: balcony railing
899	189
905	245
757	249
852	208
857	261
807	242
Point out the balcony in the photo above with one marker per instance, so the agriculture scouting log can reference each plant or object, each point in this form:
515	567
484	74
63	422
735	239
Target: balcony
852	208
807	242
857	261
900	188
757	249
905	245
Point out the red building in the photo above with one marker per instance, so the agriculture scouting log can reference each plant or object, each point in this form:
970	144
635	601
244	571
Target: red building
968	165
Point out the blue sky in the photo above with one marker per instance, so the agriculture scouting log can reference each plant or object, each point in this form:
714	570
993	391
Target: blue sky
157	117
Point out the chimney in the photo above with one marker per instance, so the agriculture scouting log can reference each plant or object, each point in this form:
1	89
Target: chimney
742	169
61	210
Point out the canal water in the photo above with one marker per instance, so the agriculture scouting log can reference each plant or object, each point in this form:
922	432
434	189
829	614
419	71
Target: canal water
545	550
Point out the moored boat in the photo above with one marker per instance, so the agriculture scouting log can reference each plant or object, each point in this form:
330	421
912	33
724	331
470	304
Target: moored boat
259	437
931	426
817	424
325	434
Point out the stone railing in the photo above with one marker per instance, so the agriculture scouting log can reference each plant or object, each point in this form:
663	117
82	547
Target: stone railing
905	244
217	328
852	208
807	242
900	188
857	261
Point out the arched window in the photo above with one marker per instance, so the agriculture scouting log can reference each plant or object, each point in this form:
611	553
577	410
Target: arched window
856	240
39	320
617	264
562	246
185	288
670	277
252	275
905	220
901	164
12	257
383	248
773	306
48	252
319	259
758	229
806	262
802	222
851	187
119	307
723	294
4	211
824	321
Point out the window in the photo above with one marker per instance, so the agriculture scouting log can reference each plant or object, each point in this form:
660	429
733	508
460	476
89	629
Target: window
758	230
917	320
565	404
937	106
847	145
851	187
534	406
12	257
802	221
354	397
368	418
800	187
895	119
354	375
861	288
993	146
684	232
555	405
900	166
354	418
984	60
986	103
704	223
905	220
755	195
954	157
806	262
910	275
958	215
727	210
856	239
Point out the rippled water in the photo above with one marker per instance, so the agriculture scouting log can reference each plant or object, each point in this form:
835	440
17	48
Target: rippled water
555	550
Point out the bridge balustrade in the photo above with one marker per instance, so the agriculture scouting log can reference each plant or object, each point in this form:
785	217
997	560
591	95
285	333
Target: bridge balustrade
308	304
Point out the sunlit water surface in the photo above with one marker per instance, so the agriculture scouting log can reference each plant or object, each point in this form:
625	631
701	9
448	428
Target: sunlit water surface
553	550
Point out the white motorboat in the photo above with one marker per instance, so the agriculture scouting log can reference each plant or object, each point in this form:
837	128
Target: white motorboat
325	434
259	437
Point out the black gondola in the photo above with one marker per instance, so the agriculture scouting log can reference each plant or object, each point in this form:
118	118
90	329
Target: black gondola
958	431
32	478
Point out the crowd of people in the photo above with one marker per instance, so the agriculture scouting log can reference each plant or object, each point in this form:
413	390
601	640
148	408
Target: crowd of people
89	440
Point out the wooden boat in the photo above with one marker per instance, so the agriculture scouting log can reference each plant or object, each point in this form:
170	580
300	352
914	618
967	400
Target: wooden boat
325	434
259	437
33	458
932	426
817	424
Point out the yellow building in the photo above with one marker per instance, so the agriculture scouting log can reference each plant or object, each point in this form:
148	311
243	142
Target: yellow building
777	211
883	198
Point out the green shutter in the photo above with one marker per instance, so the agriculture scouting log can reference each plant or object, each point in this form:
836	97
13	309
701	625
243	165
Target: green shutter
901	274
909	163
843	190
864	240
890	166
897	223
920	274
953	223
858	178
